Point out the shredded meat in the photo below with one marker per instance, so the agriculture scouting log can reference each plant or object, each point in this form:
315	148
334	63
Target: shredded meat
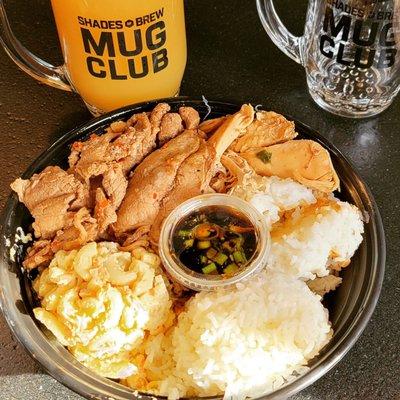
93	200
211	125
104	212
109	197
132	147
223	181
231	128
51	215
139	238
39	254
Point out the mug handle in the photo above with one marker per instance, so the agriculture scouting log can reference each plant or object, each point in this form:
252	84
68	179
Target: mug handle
287	42
28	62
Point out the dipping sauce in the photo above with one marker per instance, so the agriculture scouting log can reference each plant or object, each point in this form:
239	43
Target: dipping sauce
216	240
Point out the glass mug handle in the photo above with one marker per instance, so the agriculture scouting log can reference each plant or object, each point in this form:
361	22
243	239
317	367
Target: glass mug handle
28	62
286	41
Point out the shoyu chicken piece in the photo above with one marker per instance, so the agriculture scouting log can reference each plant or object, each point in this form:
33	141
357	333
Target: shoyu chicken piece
51	196
305	161
268	128
192	179
231	128
211	125
152	180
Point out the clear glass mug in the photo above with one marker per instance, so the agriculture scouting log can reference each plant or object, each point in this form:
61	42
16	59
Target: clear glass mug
350	51
115	52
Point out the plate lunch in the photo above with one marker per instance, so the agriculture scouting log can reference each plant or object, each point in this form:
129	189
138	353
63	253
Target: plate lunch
350	306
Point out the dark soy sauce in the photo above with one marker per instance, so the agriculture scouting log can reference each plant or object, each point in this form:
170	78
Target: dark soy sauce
215	240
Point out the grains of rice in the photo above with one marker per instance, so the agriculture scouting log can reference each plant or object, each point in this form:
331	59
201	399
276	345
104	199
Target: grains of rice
314	238
311	238
245	341
272	195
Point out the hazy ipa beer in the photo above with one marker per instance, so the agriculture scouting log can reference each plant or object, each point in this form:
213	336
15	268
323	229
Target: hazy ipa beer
119	52
116	52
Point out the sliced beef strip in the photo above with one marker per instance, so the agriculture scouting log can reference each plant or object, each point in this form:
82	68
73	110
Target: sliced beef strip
109	197
106	160
104	212
135	144
192	179
50	196
152	180
39	254
128	147
51	215
51	182
115	184
90	154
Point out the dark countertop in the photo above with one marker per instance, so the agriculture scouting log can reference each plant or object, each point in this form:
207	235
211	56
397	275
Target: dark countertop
230	58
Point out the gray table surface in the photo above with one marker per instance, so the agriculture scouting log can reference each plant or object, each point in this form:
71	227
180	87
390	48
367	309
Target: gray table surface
230	58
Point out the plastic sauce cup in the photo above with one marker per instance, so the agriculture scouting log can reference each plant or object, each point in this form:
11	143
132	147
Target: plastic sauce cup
197	281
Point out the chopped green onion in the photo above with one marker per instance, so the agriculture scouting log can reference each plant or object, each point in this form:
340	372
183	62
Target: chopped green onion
209	268
265	156
220	258
184	233
238	241
239	257
211	253
188	243
231	269
203	259
203	244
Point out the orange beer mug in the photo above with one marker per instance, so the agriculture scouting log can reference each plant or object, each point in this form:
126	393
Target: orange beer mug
115	52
